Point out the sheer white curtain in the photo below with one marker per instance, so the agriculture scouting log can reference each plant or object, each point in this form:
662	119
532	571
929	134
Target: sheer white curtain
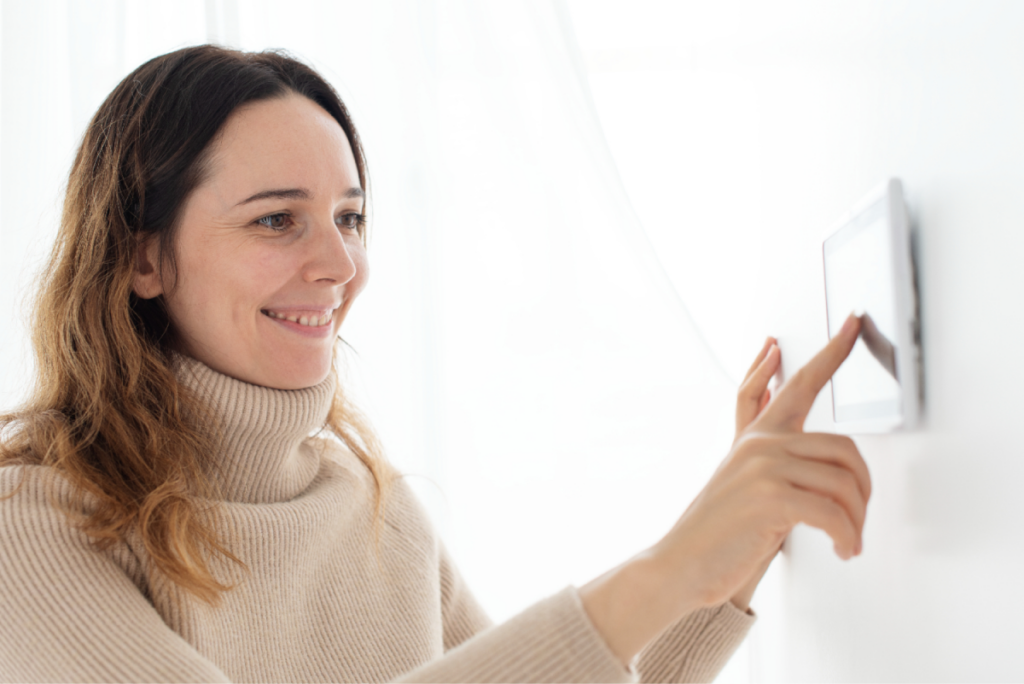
520	348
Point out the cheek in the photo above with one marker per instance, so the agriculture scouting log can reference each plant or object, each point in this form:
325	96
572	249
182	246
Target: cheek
263	271
221	284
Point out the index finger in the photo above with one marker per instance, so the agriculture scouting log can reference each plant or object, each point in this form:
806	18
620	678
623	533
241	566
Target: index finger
794	399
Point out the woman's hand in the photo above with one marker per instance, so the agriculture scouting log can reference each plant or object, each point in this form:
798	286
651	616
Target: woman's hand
774	477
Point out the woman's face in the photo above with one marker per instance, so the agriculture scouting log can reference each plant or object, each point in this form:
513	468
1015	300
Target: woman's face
268	251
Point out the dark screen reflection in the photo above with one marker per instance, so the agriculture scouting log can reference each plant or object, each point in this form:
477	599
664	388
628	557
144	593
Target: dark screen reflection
879	345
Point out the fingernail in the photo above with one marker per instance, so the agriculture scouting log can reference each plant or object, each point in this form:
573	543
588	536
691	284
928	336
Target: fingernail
848	325
860	547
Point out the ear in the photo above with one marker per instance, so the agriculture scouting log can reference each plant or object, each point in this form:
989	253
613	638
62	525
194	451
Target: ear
148	283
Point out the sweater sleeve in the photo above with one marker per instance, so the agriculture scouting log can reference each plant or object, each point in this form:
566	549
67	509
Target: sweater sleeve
551	641
696	648
555	641
70	612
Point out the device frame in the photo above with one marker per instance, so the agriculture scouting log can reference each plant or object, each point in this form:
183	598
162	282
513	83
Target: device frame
907	342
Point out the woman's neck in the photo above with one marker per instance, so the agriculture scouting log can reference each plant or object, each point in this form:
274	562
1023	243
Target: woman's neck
263	456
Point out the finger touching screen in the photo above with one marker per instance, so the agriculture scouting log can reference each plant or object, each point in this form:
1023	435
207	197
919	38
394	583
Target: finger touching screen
865	274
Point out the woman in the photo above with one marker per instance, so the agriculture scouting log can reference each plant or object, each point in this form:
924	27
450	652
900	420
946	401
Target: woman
166	513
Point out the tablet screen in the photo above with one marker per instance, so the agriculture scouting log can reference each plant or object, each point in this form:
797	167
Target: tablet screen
860	277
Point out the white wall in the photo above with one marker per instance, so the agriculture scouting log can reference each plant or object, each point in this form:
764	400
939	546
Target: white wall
830	99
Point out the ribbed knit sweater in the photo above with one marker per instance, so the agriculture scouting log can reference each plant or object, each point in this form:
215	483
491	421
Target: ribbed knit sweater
324	597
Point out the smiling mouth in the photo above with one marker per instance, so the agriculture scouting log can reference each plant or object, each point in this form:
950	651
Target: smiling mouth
310	319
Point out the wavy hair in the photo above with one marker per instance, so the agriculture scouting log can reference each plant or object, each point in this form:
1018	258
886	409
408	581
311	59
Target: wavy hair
107	410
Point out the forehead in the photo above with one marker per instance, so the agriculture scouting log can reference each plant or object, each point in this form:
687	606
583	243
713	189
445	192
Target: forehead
284	142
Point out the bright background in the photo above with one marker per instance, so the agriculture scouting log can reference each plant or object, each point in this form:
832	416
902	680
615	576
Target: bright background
586	217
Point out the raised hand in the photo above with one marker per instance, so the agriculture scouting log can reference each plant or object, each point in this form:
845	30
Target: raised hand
775	477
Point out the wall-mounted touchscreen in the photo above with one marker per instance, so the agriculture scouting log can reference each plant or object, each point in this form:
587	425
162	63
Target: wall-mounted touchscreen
869	271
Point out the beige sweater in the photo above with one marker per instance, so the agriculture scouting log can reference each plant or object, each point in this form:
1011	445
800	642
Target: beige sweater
318	602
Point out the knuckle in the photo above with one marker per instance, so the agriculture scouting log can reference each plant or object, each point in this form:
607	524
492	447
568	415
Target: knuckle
848	483
743	444
756	443
852	481
840	520
849	448
746	390
836	512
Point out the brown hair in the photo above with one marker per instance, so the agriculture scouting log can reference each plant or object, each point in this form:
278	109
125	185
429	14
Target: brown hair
107	411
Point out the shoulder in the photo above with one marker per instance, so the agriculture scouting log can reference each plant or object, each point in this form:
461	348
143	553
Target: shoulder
40	507
37	502
61	596
405	520
402	503
407	539
38	514
342	476
41	516
36	487
405	505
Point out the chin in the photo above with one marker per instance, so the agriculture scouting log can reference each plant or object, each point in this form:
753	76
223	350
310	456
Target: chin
305	373
303	380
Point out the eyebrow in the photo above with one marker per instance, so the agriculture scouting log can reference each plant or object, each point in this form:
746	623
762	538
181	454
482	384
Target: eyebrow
294	193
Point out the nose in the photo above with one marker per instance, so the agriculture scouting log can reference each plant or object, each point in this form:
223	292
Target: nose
329	256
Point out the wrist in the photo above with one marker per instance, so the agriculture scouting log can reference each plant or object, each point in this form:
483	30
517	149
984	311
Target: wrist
742	600
635	602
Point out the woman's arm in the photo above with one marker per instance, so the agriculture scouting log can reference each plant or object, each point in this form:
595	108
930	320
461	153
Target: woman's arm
551	641
69	612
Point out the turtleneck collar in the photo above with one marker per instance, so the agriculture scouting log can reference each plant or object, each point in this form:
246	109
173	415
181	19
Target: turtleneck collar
263	455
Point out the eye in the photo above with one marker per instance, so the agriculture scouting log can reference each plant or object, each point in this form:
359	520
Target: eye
276	222
352	221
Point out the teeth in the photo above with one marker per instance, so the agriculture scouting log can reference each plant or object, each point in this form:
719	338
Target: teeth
308	321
